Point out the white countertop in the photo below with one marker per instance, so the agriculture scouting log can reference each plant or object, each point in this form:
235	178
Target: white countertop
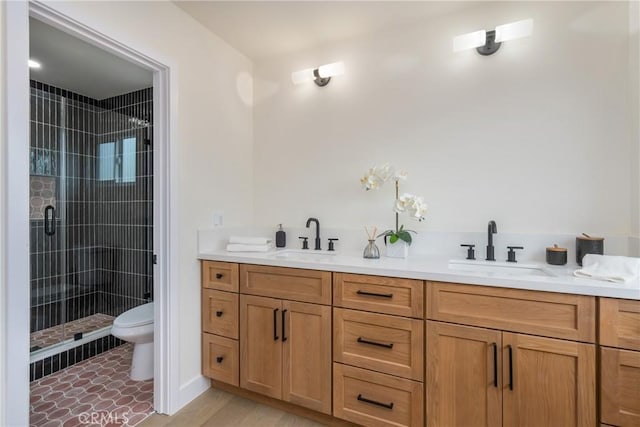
432	268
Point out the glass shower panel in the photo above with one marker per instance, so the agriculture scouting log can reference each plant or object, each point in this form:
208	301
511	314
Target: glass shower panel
47	213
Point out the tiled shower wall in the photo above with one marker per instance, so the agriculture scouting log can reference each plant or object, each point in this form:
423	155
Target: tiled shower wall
99	260
124	220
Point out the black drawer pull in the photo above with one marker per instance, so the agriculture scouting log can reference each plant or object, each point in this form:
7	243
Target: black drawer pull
219	359
495	364
219	275
373	402
379	344
284	313
275	326
219	313
510	367
373	294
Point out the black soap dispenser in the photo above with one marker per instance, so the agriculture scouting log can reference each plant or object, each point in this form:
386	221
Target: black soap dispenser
281	237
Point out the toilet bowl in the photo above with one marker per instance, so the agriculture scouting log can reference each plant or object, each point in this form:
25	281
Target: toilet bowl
136	326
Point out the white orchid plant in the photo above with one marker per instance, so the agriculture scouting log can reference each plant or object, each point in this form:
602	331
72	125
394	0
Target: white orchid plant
374	179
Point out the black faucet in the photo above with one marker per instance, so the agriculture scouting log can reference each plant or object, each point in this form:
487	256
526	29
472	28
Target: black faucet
309	221
491	229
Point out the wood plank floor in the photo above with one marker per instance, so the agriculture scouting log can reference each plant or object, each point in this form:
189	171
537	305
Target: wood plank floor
217	408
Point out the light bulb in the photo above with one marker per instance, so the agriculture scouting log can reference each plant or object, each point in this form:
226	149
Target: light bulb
34	64
469	40
330	70
302	76
514	30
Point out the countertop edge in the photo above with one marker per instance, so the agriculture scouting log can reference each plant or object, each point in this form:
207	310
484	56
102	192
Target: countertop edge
433	269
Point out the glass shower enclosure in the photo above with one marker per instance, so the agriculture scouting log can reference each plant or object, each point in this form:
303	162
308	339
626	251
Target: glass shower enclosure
90	214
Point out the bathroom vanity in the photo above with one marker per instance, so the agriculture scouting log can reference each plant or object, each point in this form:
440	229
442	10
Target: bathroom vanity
390	343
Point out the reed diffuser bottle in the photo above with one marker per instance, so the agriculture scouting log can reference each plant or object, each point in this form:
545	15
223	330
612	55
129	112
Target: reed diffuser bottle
371	251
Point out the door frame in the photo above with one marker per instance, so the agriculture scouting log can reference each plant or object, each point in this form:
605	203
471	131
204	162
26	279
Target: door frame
15	202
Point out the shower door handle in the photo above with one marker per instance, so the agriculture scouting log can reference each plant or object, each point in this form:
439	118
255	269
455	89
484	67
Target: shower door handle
49	220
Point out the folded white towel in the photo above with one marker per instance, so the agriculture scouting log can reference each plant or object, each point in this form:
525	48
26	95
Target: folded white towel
238	247
249	240
618	269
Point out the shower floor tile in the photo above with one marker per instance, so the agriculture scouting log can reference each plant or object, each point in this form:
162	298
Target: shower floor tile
95	392
59	333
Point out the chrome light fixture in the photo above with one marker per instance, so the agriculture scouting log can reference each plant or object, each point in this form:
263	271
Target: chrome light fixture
488	42
320	76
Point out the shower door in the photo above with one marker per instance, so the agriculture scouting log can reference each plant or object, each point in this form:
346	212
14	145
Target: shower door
47	213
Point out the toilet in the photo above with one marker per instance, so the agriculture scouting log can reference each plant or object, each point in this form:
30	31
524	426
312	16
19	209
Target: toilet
136	326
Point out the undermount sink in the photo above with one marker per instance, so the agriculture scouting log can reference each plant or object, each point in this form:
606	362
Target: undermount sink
307	254
491	268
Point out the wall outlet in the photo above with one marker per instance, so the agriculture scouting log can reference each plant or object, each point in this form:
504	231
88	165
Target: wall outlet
218	216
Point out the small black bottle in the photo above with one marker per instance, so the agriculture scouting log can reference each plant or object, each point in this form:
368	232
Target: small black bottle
281	237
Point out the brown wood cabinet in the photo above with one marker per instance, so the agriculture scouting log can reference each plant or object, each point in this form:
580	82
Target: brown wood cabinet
484	377
220	358
548	382
389	344
518	372
285	350
464	380
389	295
373	399
620	362
286	283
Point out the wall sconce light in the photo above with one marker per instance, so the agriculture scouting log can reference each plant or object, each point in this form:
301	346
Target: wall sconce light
321	75
488	42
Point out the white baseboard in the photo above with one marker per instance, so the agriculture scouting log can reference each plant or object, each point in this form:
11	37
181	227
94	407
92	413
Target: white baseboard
192	389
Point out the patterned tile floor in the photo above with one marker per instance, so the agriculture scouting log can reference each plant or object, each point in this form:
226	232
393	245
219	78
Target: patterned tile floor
57	334
95	392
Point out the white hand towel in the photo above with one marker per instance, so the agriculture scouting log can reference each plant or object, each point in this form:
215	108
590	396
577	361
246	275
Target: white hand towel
249	240
238	247
618	269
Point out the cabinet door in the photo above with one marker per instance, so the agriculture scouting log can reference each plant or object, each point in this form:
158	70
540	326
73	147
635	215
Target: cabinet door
306	345
548	382
260	345
463	377
620	387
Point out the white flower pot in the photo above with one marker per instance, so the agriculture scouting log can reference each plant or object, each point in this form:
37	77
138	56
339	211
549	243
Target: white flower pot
399	249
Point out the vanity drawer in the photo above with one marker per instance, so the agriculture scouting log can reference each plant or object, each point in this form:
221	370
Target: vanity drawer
374	399
620	387
286	283
220	275
538	313
390	295
220	359
620	323
389	344
220	313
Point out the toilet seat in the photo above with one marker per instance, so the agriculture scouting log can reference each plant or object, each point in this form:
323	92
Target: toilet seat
137	316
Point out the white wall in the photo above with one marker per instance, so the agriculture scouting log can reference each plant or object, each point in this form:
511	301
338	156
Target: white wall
211	133
634	109
535	136
3	281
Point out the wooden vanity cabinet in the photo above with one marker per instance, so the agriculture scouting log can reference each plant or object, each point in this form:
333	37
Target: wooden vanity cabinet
285	346
480	375
378	350
220	358
619	362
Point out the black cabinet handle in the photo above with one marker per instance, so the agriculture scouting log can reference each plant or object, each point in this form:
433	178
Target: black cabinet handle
379	344
219	275
495	364
373	402
510	367
49	220
284	313
219	313
219	359
275	321
373	294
